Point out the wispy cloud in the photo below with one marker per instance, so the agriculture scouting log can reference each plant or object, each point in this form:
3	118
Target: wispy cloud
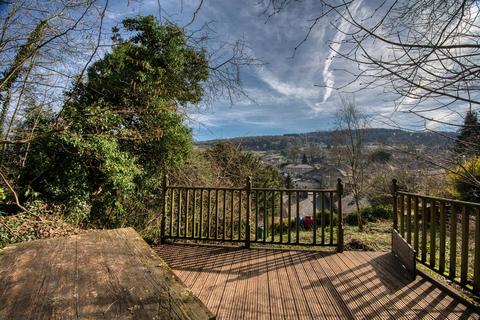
286	88
342	30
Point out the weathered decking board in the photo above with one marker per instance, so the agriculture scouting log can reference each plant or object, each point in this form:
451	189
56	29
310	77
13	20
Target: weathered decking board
108	274
282	284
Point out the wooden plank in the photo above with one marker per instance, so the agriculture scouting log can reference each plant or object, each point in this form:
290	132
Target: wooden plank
404	252
476	255
329	299
348	289
443	228
289	237
400	285
143	255
238	305
239	215
281	216
187	208
424	230
256	215
464	252
433	242
216	215
194	224
315	309
365	297
251	276
453	243
331	217
269	291
110	274
224	215
232	194
402	214
201	214
315	217
273	217
297	218
322	221
415	226
368	276
265	217
289	306
209	208
409	219
423	297
228	295
172	205
179	213
301	303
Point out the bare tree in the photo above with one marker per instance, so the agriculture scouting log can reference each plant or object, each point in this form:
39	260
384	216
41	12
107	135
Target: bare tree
351	125
421	50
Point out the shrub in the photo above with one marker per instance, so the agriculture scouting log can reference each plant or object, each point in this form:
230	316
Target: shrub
464	181
370	214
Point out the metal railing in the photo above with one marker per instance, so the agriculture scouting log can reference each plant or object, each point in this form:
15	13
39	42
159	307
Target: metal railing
253	215
444	233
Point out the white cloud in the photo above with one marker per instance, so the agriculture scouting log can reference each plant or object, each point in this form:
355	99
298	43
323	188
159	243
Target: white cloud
328	75
285	88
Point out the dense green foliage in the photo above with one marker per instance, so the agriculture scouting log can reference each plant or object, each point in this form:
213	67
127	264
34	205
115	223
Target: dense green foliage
464	181
468	139
121	127
371	214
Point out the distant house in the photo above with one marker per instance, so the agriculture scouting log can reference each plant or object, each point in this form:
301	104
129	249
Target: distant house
327	175
296	170
348	203
307	184
305	204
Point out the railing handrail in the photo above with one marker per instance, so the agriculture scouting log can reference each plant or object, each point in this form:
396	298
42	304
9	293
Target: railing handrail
459	202
252	189
207	188
294	190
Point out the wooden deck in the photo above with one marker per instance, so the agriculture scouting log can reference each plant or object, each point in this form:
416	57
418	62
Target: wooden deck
97	275
236	283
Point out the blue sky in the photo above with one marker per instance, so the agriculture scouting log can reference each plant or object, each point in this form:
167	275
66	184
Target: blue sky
285	98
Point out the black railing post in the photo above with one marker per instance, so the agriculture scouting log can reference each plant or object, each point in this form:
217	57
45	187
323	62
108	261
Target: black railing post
247	222
164	213
394	190
340	216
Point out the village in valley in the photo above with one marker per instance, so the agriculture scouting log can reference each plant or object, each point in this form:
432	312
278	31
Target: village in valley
316	160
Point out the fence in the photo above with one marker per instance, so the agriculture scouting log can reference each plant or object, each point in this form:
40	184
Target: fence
253	215
444	233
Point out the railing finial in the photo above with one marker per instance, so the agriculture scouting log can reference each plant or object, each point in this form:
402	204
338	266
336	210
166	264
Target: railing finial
394	187
339	186
249	183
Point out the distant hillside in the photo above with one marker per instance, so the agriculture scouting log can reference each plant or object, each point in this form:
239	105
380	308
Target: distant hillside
377	136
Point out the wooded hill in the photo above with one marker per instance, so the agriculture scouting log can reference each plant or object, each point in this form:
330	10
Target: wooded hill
372	136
